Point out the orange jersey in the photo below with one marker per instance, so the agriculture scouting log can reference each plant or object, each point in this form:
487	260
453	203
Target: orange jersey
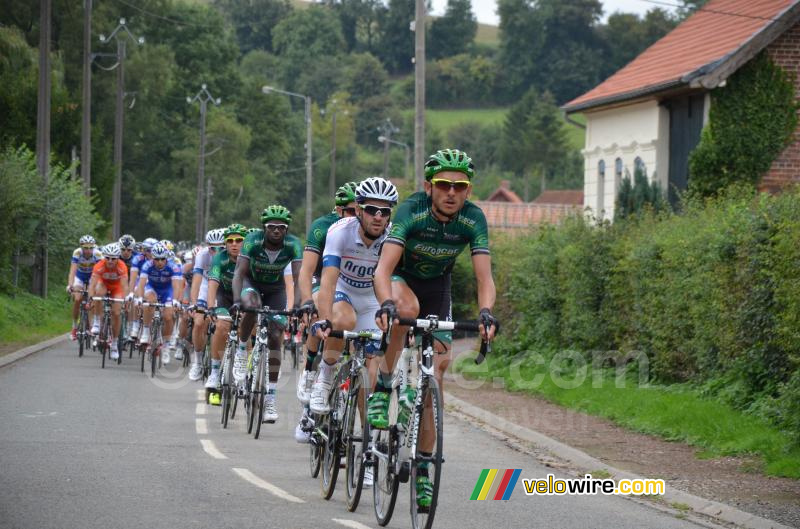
110	276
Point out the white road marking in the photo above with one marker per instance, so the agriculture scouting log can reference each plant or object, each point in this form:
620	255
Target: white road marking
201	394
351	523
201	426
200	409
269	487
211	449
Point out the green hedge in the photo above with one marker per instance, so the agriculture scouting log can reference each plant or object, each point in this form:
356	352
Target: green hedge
711	296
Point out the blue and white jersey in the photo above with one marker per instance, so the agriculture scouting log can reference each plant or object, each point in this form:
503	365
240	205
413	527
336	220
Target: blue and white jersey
202	263
85	265
138	261
355	260
160	279
129	261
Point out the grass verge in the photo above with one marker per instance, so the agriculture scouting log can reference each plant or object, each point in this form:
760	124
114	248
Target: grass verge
675	413
26	319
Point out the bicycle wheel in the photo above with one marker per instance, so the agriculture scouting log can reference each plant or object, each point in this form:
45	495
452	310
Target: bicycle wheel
227	384
385	482
260	390
294	355
83	331
356	438
103	346
121	338
315	448
330	453
422	517
142	349
155	347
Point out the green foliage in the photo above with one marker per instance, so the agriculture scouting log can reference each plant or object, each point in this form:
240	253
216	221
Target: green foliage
396	41
760	94
60	209
635	196
26	319
254	21
453	32
460	80
709	296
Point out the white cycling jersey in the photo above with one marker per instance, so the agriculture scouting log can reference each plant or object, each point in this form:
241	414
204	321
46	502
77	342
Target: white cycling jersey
356	262
202	264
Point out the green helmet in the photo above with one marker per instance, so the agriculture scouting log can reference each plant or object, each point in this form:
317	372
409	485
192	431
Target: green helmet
449	160
276	212
346	194
252	230
235	229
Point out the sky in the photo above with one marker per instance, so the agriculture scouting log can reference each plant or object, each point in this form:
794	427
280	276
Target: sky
485	9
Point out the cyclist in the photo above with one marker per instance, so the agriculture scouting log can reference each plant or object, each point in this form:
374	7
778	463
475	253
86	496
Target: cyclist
258	281
310	271
110	276
80	271
220	296
137	262
186	273
128	253
198	297
412	278
160	279
346	298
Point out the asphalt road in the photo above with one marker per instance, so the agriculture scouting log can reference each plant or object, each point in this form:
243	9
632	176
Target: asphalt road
82	447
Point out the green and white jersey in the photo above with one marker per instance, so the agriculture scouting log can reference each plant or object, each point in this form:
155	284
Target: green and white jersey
222	269
315	242
431	247
266	266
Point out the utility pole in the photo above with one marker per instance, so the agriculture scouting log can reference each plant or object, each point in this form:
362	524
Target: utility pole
203	206
43	138
386	141
116	197
386	130
419	91
86	125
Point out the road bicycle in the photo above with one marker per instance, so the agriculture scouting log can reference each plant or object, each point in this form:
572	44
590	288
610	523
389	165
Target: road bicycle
153	349
292	346
84	337
104	338
227	385
396	451
256	382
344	431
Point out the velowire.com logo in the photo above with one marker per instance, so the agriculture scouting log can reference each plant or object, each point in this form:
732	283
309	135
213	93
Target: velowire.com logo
496	484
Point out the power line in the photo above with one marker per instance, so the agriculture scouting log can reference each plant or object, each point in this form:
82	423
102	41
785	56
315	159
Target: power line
161	17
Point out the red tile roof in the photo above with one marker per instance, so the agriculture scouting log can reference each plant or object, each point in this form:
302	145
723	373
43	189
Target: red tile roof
573	197
703	42
504	194
504	215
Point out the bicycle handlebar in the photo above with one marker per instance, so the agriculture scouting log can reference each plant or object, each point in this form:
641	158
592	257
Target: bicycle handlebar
103	298
268	311
440	325
351	335
148	304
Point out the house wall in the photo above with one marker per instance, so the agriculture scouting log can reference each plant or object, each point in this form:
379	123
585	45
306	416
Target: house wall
638	130
785	51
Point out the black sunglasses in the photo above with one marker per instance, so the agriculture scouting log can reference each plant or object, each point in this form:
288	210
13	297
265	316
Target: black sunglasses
372	211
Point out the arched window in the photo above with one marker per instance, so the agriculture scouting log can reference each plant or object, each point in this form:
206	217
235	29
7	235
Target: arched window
618	171
601	187
638	165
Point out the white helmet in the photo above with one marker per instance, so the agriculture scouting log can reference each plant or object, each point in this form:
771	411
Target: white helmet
376	188
111	250
159	251
216	237
188	256
127	241
148	243
87	240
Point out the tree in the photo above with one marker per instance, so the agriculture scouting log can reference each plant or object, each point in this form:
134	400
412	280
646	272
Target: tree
364	77
453	32
359	20
303	37
626	35
396	41
534	140
254	20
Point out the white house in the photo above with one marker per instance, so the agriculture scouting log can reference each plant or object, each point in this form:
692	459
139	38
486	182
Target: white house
651	112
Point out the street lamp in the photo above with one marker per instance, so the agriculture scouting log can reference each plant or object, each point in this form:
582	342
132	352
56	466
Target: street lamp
309	176
387	129
386	141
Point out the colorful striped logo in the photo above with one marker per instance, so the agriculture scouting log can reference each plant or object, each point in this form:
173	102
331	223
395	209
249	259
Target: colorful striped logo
496	484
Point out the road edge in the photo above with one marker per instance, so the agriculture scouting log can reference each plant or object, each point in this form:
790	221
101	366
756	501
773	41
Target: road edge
35	348
713	509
